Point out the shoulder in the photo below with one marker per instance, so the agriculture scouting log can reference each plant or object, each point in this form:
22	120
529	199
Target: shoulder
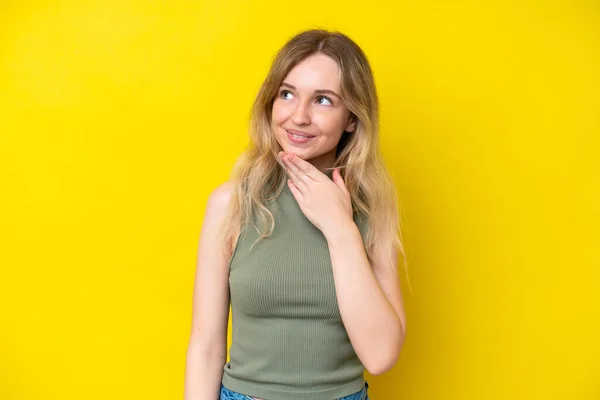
217	208
217	212
220	198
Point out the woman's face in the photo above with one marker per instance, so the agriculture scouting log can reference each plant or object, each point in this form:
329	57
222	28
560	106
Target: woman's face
308	115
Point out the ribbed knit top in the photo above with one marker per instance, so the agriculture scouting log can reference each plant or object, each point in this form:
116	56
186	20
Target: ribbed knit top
288	338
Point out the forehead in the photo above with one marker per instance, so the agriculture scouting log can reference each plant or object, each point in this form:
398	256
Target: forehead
317	72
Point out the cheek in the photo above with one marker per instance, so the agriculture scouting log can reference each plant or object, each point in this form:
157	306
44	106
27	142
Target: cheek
279	113
330	124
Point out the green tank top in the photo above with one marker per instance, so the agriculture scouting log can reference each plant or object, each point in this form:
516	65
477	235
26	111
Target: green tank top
288	338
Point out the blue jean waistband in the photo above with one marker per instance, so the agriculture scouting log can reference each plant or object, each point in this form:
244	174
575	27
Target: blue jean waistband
227	394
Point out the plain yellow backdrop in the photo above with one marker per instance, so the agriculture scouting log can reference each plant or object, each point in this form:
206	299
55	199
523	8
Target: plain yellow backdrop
118	118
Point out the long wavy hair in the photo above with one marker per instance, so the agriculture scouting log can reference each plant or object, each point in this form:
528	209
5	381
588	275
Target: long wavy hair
259	176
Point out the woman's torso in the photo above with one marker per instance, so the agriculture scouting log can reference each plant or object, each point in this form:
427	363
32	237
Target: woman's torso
287	331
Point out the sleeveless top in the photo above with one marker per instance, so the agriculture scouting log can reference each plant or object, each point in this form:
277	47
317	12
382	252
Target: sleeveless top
288	338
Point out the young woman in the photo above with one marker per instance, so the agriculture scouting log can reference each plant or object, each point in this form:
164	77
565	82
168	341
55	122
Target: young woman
303	241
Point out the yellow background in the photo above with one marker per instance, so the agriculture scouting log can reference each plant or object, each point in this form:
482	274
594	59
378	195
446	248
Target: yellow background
118	117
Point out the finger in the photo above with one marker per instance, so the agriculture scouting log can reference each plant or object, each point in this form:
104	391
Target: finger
295	181
299	177
295	191
339	181
307	168
286	166
295	170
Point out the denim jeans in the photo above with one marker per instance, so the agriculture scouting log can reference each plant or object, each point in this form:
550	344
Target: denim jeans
227	394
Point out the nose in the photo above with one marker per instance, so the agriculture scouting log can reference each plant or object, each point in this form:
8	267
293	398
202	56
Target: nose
301	114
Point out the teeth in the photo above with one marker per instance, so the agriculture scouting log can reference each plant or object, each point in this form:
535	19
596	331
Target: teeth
299	136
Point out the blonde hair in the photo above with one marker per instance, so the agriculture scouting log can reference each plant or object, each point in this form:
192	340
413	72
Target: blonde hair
258	176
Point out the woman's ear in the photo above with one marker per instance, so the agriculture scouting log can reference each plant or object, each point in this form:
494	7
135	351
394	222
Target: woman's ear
351	124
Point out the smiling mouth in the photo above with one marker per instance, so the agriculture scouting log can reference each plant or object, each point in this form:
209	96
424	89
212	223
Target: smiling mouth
299	135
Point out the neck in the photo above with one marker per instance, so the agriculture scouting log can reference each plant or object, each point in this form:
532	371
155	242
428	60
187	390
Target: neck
323	161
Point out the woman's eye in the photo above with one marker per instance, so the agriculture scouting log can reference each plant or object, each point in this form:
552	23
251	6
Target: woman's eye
324	101
285	94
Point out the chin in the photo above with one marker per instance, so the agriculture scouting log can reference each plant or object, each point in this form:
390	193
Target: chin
290	149
301	153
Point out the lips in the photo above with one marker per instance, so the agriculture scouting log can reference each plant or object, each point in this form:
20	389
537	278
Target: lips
298	138
299	134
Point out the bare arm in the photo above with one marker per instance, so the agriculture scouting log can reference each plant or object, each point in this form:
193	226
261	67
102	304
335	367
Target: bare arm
368	294
369	298
207	348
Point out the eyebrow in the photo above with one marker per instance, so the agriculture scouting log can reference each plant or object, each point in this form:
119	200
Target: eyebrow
320	91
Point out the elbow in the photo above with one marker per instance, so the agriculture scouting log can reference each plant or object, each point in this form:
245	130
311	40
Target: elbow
388	358
384	362
384	365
